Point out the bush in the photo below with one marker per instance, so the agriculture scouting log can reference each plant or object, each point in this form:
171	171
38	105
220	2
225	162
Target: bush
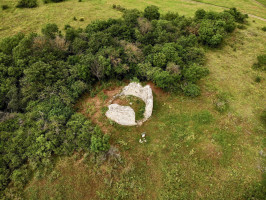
263	28
263	117
194	73
50	30
200	14
191	90
258	79
4	7
27	4
99	142
222	103
54	1
261	64
208	33
159	60
131	16
152	12
164	80
239	17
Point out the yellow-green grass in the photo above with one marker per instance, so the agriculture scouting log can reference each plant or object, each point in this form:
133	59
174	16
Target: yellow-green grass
14	20
193	151
248	6
263	2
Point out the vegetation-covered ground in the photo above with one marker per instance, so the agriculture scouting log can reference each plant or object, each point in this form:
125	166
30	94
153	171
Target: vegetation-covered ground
208	147
14	20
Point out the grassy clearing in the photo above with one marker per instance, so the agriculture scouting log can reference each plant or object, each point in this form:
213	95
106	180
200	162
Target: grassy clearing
193	151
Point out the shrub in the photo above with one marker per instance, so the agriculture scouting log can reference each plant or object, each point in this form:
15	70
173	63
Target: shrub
4	7
194	73
170	16
263	117
54	1
99	142
27	4
209	35
261	64
241	26
215	40
200	14
131	16
159	60
263	28
81	19
164	79
191	90
239	17
258	79
119	8
152	12
262	59
50	30
222	103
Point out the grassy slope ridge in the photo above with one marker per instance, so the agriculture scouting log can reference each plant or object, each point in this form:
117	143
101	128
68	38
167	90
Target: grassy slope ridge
248	6
15	20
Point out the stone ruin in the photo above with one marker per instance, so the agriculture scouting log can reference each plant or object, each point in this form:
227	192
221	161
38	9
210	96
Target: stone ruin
125	115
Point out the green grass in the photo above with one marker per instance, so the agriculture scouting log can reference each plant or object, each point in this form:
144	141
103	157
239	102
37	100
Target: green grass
263	2
192	150
135	103
247	6
14	20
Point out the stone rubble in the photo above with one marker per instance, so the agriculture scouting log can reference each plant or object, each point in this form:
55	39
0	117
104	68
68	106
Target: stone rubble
125	115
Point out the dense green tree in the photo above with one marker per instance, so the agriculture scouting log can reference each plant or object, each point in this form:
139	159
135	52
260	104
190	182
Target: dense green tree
152	12
50	30
27	4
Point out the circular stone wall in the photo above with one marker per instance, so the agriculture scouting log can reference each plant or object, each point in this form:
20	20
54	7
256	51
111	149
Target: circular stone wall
125	115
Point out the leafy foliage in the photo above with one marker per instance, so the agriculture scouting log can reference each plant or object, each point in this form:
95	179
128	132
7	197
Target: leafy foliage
27	4
152	12
261	64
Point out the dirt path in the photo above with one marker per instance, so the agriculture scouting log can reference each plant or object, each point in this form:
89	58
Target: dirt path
250	15
259	3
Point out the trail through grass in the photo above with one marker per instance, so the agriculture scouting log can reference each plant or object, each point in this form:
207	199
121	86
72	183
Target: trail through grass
14	20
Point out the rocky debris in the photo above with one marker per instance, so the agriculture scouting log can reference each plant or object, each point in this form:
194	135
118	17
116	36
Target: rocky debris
143	138
124	114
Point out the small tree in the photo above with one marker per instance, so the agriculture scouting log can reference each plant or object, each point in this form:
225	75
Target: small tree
152	12
27	4
50	30
191	90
